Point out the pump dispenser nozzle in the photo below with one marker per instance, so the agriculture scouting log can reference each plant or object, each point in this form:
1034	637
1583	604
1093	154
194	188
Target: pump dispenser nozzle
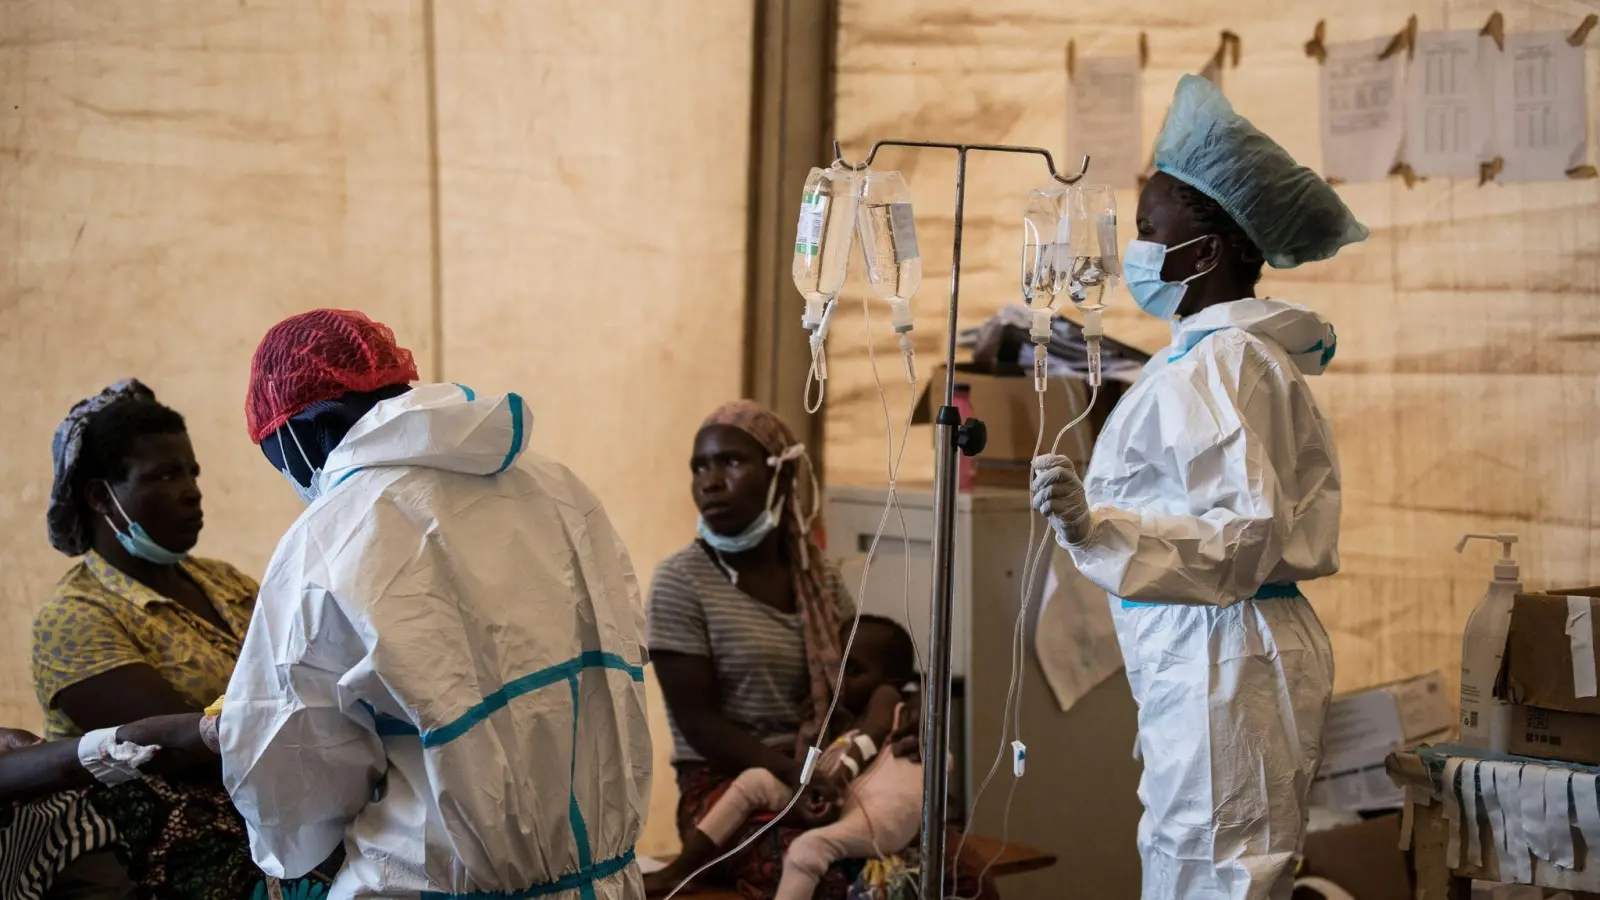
1506	566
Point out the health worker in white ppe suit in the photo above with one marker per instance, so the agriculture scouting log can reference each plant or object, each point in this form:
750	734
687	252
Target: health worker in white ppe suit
444	672
1212	495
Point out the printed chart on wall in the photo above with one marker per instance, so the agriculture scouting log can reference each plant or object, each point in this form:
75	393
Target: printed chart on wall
1104	117
1362	128
1449	122
1539	103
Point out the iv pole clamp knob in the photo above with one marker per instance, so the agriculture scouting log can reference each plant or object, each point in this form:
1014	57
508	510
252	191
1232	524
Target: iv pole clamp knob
971	436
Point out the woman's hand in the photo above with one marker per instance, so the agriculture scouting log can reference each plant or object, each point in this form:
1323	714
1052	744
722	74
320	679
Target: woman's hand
1058	493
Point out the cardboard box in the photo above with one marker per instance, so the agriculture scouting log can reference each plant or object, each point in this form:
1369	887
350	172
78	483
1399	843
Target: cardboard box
1553	734
1363	858
1541	649
1364	727
1009	407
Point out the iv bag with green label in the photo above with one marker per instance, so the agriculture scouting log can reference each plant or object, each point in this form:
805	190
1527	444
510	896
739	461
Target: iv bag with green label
822	238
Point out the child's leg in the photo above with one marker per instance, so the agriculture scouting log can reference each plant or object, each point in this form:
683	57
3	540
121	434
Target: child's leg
811	854
882	813
755	790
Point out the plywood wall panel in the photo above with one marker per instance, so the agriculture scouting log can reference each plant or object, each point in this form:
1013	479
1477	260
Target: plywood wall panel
593	176
1464	394
174	177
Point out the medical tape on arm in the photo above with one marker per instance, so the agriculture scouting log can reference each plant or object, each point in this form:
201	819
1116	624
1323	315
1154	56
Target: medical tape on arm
111	761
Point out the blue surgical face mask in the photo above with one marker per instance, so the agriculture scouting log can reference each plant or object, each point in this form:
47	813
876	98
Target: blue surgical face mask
307	493
137	541
1141	271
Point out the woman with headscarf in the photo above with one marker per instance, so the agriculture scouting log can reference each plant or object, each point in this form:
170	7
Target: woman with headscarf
744	625
744	631
1212	494
138	629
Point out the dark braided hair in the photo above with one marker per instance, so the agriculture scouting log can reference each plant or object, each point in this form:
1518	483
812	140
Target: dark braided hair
1213	219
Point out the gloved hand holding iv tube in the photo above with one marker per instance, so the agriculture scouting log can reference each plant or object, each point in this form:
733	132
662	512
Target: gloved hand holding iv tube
822	257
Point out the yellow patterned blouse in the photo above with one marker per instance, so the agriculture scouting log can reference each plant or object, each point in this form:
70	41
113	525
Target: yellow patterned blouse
100	619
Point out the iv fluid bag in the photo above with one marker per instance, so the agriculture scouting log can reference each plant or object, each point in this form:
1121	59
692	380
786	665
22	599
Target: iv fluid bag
1095	263
889	237
1046	264
823	235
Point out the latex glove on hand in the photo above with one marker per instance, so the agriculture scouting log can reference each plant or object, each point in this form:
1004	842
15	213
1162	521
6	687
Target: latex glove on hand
1058	493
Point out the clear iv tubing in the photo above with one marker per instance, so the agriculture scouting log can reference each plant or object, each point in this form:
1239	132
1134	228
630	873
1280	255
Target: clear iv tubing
1011	717
892	503
819	361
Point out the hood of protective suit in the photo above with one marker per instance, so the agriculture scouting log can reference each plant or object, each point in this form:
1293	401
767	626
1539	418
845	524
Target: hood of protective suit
445	670
439	426
1308	338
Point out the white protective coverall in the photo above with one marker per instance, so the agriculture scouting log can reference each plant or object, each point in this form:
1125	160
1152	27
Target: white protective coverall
1215	490
445	670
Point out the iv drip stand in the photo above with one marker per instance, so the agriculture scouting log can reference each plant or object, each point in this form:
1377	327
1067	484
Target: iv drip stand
952	437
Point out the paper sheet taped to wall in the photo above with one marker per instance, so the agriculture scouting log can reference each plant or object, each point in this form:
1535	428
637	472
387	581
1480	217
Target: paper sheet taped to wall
1541	124
1449	104
1362	125
1104	119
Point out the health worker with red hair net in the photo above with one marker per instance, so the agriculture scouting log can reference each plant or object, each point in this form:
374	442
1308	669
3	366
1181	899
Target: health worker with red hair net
445	669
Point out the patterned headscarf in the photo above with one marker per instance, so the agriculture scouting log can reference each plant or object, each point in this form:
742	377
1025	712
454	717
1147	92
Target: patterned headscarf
819	613
68	532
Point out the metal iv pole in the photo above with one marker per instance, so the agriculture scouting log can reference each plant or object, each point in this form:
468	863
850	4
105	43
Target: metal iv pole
951	437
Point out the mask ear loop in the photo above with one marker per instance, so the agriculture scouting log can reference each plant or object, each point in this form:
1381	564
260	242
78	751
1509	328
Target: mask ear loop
312	470
120	511
1187	243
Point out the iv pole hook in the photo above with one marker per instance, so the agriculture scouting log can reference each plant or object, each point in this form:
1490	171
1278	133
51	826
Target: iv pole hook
1049	161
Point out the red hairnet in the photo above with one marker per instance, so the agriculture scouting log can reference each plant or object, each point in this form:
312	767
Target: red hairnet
316	356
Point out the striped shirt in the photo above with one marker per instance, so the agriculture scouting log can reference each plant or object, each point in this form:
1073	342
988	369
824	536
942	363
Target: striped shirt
759	653
39	839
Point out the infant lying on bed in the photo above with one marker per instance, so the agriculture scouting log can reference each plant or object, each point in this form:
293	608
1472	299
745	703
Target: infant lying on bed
864	800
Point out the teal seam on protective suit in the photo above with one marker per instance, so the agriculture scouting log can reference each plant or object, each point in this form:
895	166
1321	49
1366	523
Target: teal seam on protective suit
516	432
573	881
580	830
471	394
589	659
1287	591
588	871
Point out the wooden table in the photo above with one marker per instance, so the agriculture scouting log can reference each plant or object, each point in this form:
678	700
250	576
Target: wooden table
1441	849
1015	859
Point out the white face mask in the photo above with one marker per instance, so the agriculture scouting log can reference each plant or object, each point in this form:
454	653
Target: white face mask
308	494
